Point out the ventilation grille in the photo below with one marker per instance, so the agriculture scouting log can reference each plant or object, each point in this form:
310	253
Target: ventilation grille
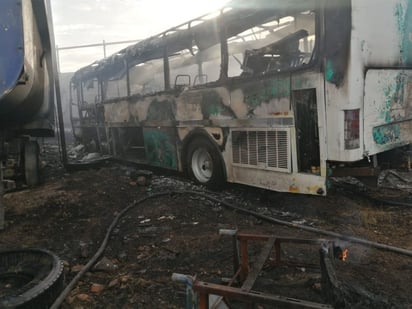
262	149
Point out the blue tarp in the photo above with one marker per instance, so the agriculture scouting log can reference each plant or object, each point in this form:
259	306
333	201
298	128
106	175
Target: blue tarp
11	44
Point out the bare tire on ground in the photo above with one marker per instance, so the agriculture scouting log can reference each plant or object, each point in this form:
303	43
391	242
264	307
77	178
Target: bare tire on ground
31	163
29	278
204	163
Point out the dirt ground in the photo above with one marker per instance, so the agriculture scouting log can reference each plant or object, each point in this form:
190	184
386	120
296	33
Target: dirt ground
70	213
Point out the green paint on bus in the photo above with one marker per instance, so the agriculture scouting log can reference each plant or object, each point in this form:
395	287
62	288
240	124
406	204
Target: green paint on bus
160	149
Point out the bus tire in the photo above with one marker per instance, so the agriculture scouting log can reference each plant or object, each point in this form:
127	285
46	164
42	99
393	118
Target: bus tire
30	278
31	163
204	163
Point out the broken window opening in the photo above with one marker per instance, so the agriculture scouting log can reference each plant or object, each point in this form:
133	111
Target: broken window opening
147	78
278	45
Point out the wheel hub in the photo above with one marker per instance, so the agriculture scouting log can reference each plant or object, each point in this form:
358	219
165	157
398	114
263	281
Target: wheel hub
202	165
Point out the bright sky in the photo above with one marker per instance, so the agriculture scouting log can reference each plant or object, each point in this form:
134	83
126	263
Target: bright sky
79	22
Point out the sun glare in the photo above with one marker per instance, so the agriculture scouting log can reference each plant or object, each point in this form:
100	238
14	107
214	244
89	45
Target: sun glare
180	11
139	20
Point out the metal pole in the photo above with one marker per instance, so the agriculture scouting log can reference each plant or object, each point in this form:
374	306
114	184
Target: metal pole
104	48
166	69
58	59
2	205
97	44
128	78
54	58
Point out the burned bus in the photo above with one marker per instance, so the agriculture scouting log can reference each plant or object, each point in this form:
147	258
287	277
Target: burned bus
268	93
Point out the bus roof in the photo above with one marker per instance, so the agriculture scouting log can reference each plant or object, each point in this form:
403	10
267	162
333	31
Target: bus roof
202	32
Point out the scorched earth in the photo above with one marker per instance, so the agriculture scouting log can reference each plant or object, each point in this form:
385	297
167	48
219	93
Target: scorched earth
70	213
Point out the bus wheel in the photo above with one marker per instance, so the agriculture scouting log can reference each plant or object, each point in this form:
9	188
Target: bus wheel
204	163
31	163
30	278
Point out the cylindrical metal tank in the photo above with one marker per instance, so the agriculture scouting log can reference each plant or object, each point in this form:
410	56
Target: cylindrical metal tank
25	71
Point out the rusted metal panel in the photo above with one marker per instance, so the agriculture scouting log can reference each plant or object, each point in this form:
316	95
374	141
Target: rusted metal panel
205	288
248	270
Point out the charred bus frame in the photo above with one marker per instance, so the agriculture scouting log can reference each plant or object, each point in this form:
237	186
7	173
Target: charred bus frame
273	95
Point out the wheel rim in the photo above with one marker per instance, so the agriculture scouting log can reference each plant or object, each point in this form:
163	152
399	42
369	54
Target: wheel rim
202	165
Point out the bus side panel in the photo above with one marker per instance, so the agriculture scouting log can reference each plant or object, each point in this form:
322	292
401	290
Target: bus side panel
263	151
144	124
161	147
384	40
387	110
293	183
388	92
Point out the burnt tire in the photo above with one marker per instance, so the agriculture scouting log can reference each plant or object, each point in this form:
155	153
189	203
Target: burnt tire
31	163
204	163
29	278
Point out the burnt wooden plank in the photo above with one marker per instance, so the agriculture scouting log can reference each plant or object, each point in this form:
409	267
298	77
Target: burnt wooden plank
258	265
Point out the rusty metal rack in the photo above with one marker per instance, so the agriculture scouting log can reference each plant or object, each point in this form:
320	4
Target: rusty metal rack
198	292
